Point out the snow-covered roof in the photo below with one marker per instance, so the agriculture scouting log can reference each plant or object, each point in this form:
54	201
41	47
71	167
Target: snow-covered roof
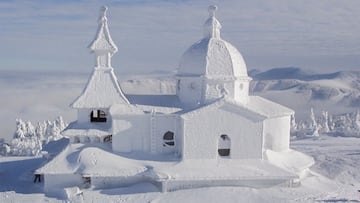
257	109
268	108
103	41
223	104
95	161
154	100
212	56
125	109
290	160
87	129
91	161
101	91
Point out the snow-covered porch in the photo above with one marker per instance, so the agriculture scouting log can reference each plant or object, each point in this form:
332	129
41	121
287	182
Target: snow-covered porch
101	169
223	172
89	132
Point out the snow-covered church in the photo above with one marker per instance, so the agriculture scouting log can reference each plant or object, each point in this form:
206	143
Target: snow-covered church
210	133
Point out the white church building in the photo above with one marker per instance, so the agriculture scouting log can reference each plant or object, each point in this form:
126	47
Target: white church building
210	133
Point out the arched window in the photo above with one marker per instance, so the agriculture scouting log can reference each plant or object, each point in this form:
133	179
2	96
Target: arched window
168	139
98	116
108	138
224	146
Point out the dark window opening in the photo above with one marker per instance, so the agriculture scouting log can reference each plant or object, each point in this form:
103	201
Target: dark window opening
86	181
37	178
108	138
168	139
224	146
224	152
76	140
98	116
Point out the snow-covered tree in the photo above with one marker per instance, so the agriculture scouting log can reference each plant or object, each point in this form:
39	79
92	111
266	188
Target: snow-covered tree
323	122
30	130
28	141
314	125
59	122
293	125
40	130
20	131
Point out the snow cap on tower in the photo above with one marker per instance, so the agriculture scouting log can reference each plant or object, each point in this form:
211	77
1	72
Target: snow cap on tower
103	41
212	26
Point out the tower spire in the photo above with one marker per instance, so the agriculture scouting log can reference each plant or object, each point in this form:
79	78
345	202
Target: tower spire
212	26
103	45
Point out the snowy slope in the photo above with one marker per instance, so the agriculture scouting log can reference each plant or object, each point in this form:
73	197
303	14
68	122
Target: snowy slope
337	92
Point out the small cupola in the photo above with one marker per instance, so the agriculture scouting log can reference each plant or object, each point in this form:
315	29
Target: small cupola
103	45
212	68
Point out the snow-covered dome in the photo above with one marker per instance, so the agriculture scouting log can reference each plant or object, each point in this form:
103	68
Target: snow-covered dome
212	56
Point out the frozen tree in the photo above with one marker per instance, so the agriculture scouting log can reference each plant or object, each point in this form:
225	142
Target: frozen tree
323	122
293	125
28	141
40	130
20	131
30	130
314	125
357	121
59	122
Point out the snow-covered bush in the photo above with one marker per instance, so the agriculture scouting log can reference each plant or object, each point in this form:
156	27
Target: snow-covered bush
29	140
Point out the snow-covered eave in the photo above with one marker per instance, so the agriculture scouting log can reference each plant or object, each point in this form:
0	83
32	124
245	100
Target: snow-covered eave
83	102
268	108
119	110
225	105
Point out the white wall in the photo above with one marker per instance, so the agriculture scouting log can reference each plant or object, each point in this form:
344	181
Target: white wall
241	91
114	182
131	133
202	131
55	183
277	133
189	90
144	133
164	123
83	115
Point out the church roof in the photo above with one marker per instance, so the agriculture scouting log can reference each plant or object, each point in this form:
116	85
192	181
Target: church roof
212	56
103	40
257	109
101	91
268	108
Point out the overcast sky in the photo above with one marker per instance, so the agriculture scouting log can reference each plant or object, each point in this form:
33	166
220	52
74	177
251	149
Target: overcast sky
322	35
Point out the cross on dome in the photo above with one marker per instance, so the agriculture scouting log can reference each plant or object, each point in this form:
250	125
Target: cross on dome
212	9
212	26
102	17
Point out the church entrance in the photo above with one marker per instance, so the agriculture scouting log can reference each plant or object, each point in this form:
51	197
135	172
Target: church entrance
224	146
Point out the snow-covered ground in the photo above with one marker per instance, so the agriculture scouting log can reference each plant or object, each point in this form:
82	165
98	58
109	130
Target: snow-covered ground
335	177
